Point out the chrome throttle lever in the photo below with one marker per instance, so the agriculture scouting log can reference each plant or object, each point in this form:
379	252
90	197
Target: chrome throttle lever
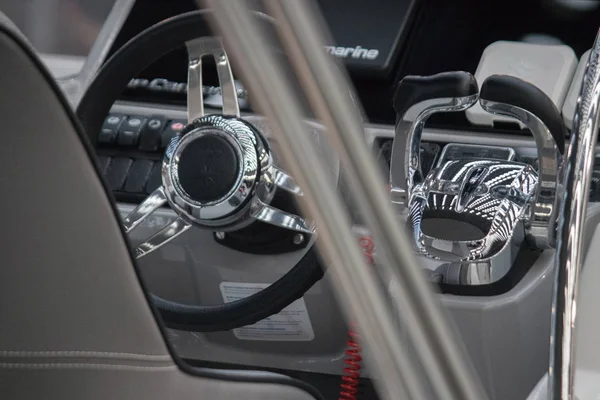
415	100
509	96
473	214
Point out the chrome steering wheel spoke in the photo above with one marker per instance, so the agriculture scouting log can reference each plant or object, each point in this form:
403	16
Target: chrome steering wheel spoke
274	216
143	211
162	237
286	182
146	207
209	46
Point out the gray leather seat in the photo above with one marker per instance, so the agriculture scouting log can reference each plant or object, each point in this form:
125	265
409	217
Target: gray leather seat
75	322
540	391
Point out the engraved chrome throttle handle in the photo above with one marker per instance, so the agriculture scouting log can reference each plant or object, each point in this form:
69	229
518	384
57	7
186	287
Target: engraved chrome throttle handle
473	214
415	100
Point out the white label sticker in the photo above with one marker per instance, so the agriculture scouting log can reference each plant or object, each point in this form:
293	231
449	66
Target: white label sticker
291	324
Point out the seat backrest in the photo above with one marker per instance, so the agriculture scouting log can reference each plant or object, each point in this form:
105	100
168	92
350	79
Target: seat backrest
75	321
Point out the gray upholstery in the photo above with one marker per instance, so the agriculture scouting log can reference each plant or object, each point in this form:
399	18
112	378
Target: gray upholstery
74	320
540	391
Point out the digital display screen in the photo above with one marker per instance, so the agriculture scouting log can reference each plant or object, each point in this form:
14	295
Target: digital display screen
461	151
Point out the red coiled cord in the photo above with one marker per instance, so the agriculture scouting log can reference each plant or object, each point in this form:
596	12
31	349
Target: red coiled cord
368	248
351	377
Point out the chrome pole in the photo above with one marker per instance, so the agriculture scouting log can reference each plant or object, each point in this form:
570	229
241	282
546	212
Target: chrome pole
450	375
578	168
355	281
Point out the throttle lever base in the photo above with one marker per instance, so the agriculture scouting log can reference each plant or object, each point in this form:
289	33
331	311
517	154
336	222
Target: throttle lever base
484	201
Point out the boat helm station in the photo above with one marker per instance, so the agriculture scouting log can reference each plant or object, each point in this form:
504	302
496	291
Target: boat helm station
277	200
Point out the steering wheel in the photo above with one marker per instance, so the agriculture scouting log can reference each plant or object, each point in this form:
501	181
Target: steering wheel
218	173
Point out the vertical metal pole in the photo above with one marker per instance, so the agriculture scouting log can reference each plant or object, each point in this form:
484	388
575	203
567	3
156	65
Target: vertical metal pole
579	165
449	374
354	279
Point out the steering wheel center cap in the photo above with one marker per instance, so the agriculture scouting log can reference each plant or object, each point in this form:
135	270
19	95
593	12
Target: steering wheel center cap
208	168
215	170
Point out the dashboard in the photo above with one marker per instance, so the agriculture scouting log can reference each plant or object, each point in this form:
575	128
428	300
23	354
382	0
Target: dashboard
411	39
379	42
409	43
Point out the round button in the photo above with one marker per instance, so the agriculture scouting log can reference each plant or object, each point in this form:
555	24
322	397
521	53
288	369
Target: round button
208	168
154	124
177	126
135	122
113	120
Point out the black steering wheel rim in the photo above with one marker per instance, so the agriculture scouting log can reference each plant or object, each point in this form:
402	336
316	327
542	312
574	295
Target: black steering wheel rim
128	62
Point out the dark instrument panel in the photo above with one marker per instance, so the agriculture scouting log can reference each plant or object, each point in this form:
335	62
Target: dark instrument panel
367	37
383	40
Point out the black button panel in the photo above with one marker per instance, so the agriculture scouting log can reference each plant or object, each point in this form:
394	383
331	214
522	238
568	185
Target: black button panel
129	131
117	171
108	133
155	178
151	133
103	163
138	176
171	130
130	150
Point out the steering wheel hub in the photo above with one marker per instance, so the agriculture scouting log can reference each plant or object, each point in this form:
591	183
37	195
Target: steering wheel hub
215	169
208	168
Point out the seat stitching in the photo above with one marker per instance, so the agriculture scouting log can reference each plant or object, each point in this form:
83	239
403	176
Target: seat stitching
85	366
76	353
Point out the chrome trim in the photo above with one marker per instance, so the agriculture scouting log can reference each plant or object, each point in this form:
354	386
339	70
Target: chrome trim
284	181
489	196
407	143
282	219
144	209
494	205
481	272
542	223
197	49
246	201
446	371
578	168
247	144
162	237
249	197
195	97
